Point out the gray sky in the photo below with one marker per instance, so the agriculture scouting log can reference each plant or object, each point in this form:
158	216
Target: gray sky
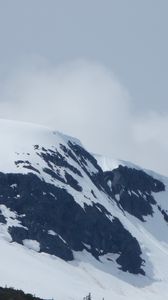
90	68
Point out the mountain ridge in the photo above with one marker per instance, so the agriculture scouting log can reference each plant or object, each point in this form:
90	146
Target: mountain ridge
58	202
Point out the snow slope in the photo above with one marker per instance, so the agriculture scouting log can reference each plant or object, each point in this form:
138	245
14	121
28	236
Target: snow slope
109	164
19	138
47	276
23	151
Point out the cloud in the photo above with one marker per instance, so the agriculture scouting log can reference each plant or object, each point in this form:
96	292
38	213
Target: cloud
150	136
86	100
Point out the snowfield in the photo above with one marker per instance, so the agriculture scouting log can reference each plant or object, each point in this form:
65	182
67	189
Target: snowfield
49	277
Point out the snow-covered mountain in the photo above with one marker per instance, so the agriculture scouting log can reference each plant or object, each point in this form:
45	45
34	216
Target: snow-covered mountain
73	223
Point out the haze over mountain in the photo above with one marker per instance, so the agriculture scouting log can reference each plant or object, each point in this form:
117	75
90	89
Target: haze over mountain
90	68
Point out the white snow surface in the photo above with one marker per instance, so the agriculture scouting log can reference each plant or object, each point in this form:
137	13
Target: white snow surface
108	163
18	139
32	244
50	277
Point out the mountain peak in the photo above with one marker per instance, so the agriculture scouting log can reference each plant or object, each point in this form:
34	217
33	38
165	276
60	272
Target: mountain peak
91	217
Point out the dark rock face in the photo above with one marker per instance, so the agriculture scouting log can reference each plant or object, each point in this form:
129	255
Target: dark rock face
164	213
83	158
134	188
42	207
50	215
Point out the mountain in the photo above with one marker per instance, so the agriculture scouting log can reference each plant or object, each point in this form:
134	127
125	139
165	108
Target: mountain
72	222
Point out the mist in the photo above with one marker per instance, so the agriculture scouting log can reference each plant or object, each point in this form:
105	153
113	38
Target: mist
85	99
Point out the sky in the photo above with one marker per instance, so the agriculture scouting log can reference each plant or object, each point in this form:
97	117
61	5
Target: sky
93	69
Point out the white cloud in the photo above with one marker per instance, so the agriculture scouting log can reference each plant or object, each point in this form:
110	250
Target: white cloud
86	100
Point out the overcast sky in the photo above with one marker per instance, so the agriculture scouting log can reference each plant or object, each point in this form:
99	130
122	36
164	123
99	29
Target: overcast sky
95	69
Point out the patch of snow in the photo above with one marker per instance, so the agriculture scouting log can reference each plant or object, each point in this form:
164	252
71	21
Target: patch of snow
11	220
117	196
136	194
51	232
109	183
10	217
32	244
61	238
13	185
